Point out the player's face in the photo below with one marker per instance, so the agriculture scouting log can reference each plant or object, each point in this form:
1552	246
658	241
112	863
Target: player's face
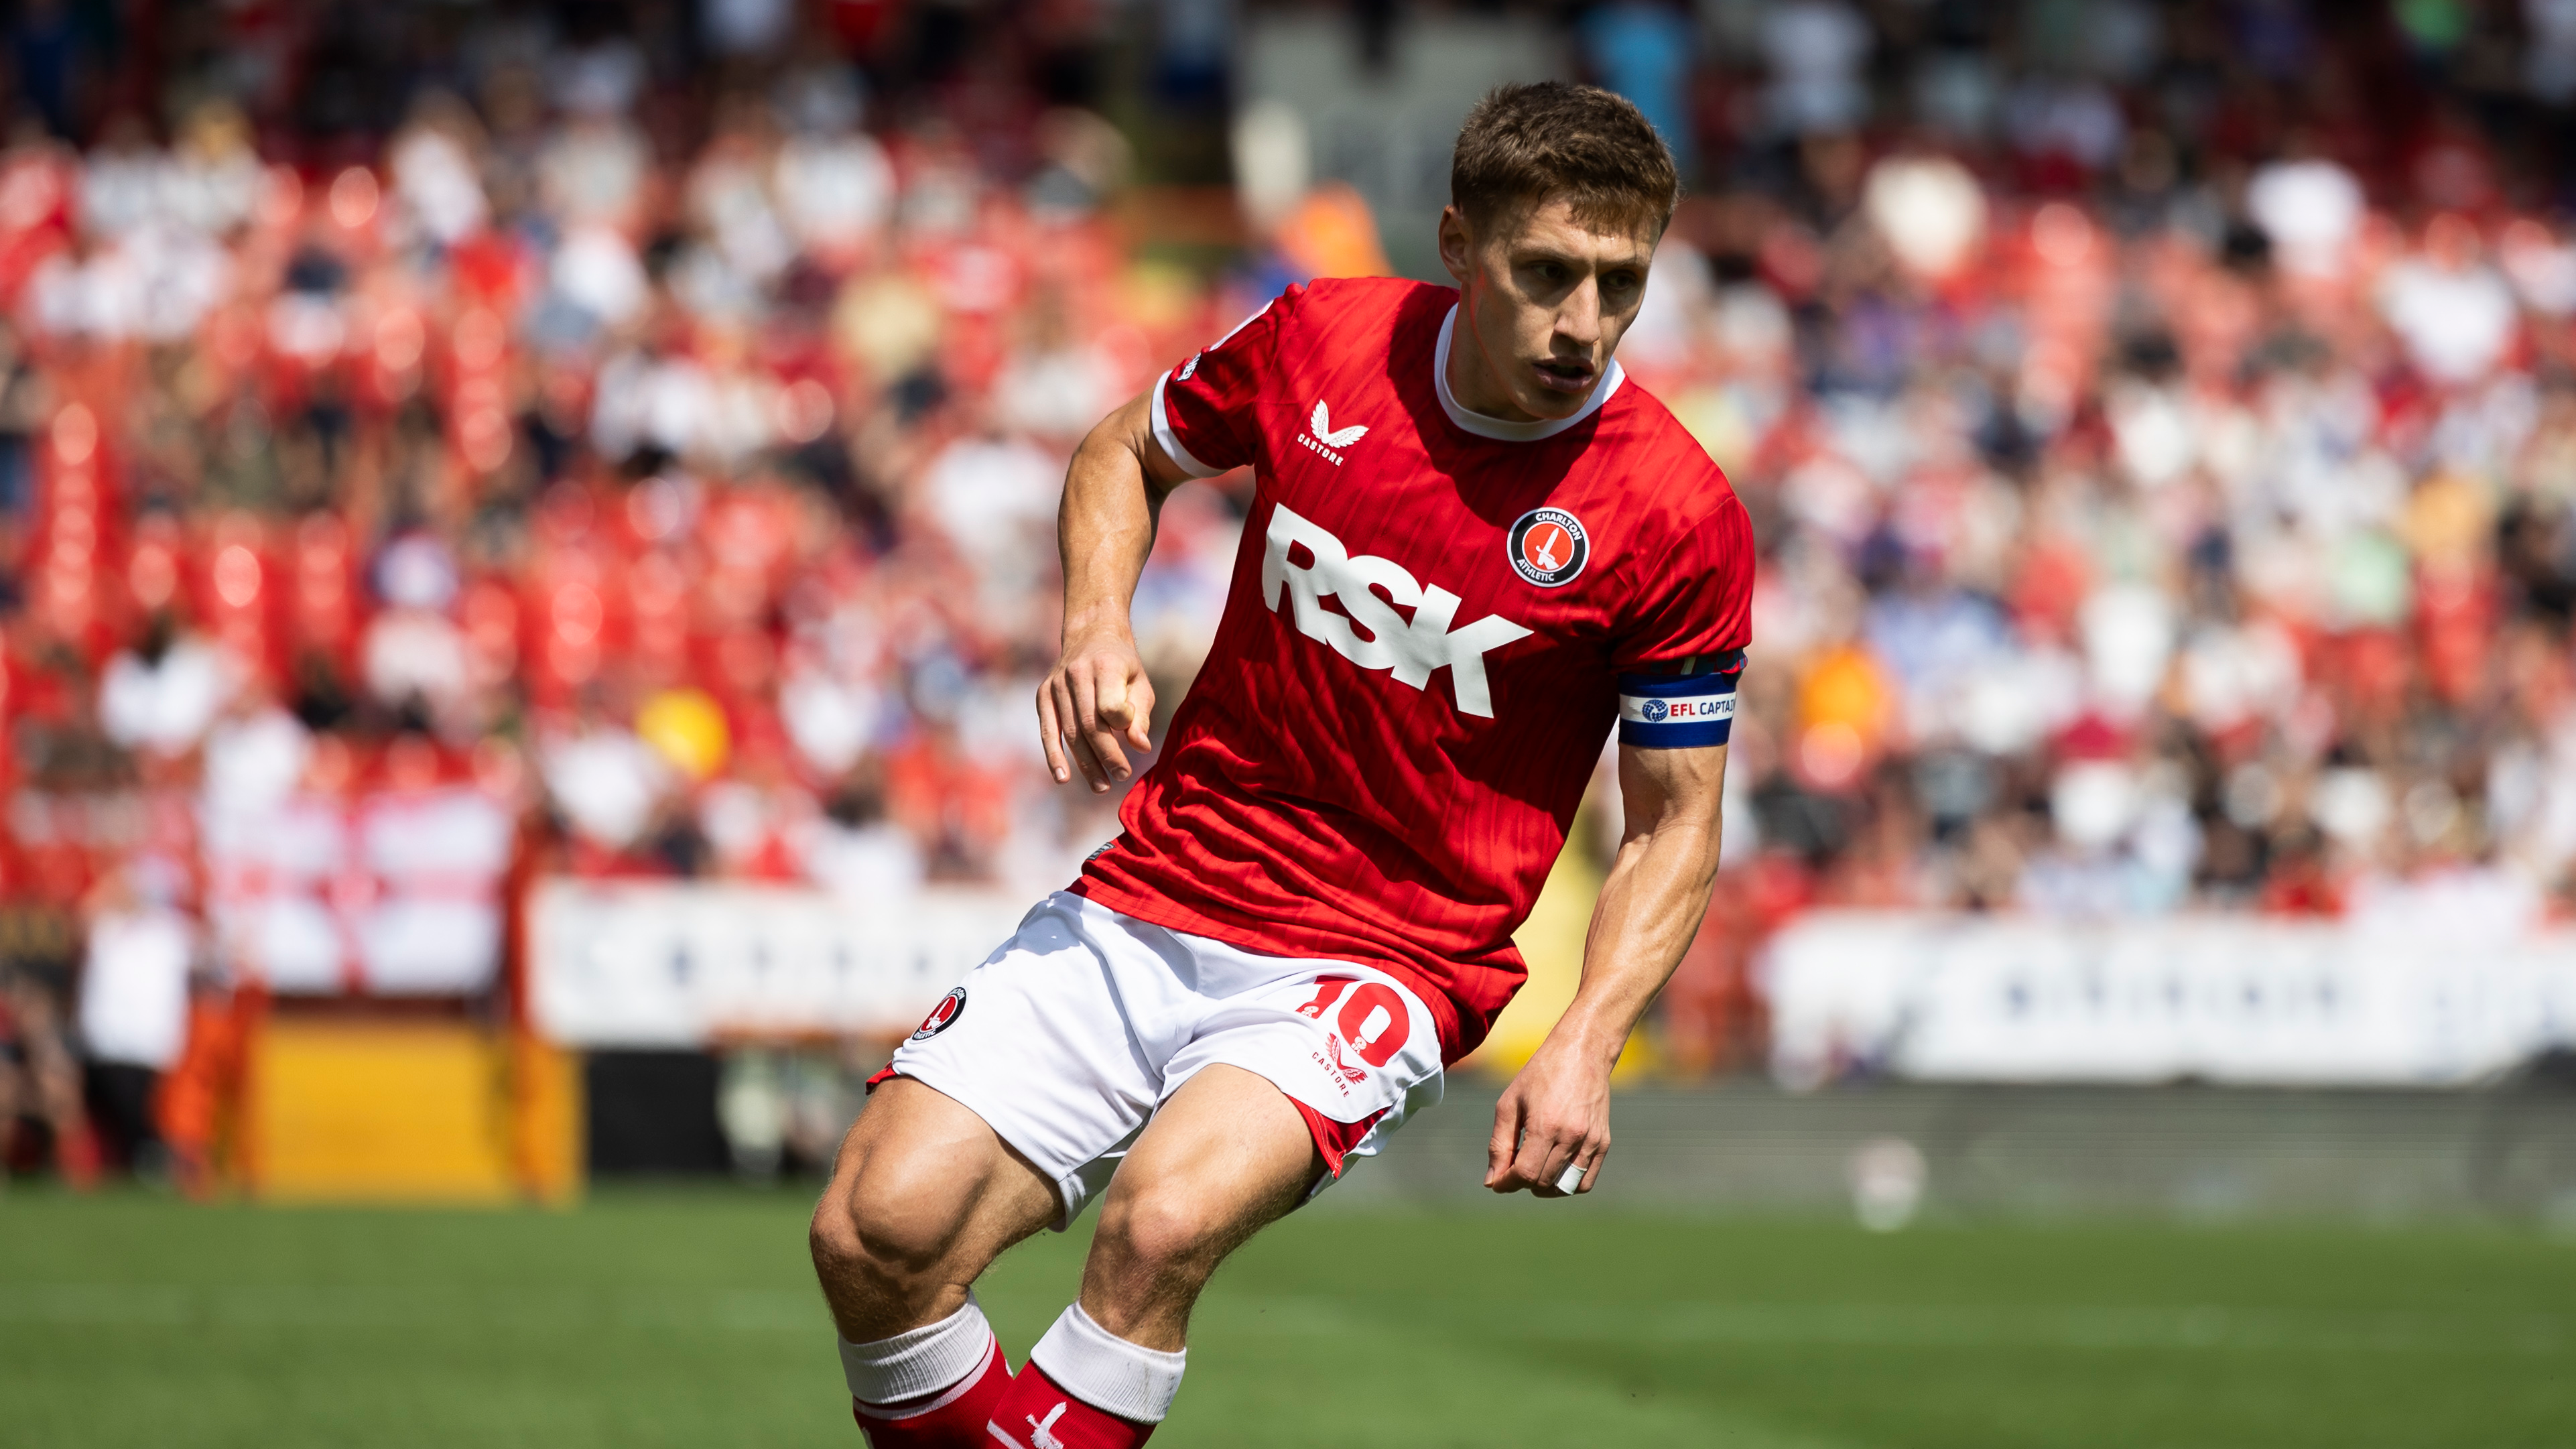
1547	299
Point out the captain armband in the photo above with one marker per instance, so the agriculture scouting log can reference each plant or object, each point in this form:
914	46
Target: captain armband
1681	711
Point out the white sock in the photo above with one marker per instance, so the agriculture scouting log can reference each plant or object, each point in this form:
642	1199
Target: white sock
1107	1372
923	1361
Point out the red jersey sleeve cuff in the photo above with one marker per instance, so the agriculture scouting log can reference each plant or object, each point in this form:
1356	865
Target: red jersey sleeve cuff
1171	441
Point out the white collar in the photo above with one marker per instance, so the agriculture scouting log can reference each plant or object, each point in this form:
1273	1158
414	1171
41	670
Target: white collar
1496	428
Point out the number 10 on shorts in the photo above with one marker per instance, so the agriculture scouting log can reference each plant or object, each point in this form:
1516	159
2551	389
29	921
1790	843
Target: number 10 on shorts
1373	1019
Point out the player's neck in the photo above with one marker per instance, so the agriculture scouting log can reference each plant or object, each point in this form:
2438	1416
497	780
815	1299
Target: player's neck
1473	382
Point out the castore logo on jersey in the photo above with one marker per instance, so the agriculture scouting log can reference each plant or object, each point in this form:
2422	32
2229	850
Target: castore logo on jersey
1411	649
1326	439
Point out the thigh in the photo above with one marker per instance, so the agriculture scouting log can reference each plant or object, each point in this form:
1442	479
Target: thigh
1056	1042
1226	1156
915	1142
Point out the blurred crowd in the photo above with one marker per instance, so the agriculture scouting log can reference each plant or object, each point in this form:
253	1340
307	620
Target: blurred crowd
2160	426
534	493
638	455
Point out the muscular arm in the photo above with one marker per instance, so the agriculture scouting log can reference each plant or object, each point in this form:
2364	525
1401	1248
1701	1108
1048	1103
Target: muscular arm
1097	695
1558	1109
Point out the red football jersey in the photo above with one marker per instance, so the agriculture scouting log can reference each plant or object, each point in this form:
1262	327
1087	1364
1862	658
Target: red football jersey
1435	617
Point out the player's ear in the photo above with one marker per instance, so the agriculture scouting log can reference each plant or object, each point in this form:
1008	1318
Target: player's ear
1457	244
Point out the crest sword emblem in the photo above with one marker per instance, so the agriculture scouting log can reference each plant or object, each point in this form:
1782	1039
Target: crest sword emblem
1544	541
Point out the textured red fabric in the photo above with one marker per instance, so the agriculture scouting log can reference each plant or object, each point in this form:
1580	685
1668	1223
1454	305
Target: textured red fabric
1334	1139
1341	784
949	1419
1036	1414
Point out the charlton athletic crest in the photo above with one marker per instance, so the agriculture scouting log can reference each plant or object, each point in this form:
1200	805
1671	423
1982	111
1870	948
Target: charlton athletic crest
942	1016
1548	547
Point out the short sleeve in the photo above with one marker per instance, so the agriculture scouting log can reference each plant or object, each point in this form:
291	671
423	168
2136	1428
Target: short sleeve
1204	409
1682	647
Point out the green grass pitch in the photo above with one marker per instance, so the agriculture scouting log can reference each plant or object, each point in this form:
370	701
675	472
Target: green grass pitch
686	1318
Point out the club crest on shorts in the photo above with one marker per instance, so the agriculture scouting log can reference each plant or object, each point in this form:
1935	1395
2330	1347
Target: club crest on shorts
1548	547
942	1016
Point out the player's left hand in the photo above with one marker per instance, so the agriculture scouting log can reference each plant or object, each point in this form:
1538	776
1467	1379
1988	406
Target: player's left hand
1555	1114
1097	698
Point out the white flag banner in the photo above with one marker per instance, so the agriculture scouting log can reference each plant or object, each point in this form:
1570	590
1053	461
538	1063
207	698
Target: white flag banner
672	964
1939	997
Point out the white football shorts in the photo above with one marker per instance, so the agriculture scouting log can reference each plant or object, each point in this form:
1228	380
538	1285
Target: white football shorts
1068	1037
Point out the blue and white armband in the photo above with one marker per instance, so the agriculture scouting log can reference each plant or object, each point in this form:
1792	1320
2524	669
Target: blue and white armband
1680	711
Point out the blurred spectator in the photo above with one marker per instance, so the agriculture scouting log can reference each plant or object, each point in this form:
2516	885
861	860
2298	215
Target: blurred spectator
134	1005
1643	51
47	1120
1816	49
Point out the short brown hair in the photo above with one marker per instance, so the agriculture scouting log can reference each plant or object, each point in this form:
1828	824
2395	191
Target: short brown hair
1524	144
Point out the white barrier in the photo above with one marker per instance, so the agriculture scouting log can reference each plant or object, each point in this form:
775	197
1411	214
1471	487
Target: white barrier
662	964
2243	1000
390	894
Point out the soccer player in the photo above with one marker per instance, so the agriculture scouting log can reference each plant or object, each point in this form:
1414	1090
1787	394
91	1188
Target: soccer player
1472	546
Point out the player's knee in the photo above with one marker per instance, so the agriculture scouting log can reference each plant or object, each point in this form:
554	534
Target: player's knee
878	1235
1165	1234
833	1237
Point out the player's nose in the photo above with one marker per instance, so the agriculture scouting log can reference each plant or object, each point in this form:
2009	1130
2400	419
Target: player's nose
1579	320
